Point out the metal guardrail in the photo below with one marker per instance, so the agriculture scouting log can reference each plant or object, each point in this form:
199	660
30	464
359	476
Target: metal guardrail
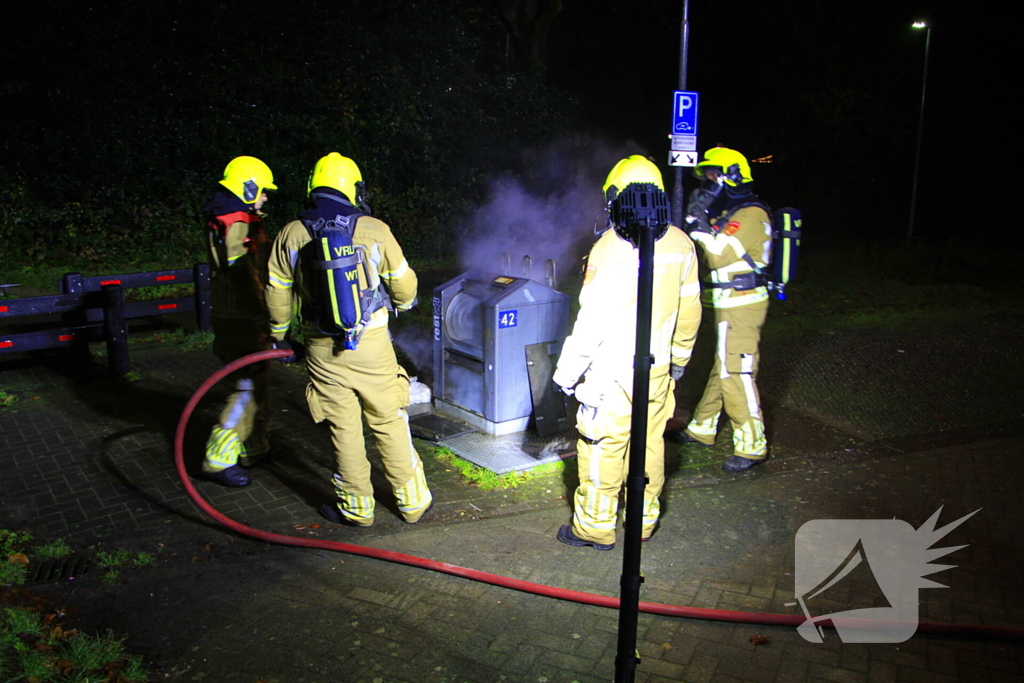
93	308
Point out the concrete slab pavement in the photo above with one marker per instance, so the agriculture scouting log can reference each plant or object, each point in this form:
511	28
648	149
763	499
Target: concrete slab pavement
89	460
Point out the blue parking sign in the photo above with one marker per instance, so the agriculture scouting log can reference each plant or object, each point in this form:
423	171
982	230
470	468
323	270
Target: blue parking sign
684	113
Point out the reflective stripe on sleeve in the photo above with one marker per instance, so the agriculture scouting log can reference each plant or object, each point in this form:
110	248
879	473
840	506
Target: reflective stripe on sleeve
398	272
280	281
689	289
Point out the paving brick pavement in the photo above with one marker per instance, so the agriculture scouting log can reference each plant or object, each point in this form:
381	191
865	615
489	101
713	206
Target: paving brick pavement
89	459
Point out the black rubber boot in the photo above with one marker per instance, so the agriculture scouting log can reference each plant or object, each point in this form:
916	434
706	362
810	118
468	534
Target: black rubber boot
332	514
264	458
233	477
735	463
565	535
417	520
681	436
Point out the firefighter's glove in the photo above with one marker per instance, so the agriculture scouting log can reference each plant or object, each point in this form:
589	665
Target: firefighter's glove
697	212
565	381
676	371
568	391
297	349
699	224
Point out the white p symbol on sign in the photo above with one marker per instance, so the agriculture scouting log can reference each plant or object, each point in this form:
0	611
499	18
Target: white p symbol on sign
685	102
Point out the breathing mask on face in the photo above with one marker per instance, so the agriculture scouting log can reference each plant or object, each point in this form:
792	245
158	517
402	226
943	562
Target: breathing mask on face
705	201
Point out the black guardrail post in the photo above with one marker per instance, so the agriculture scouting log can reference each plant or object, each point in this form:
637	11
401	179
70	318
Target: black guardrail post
115	329
201	277
73	283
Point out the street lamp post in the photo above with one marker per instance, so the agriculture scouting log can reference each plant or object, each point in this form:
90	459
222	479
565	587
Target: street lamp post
920	127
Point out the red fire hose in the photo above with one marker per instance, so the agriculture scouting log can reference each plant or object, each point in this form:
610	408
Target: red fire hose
504	581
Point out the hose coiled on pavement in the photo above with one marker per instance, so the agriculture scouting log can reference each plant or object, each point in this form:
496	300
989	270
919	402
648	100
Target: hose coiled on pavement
758	618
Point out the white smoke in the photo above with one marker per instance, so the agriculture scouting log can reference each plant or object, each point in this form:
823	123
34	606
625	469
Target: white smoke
549	216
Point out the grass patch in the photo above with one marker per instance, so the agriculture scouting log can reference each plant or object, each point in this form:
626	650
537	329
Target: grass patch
54	550
13	541
486	480
13	560
185	340
889	288
120	559
16	554
6	399
13	573
196	341
35	647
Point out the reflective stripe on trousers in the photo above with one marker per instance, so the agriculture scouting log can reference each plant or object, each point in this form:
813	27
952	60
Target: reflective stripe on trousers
732	386
358	509
602	457
223	449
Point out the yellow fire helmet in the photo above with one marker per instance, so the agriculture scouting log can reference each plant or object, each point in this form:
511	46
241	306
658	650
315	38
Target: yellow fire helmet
248	178
733	165
338	173
633	169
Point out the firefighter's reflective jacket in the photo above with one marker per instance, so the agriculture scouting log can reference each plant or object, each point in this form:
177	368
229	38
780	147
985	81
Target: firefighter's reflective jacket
742	240
238	251
604	335
289	277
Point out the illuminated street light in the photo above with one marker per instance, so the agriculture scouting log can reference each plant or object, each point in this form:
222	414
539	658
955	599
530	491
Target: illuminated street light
920	126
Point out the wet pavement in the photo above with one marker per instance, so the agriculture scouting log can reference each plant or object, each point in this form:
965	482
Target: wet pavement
862	424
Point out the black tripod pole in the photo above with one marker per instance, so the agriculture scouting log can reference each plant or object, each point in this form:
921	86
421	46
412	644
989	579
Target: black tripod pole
636	479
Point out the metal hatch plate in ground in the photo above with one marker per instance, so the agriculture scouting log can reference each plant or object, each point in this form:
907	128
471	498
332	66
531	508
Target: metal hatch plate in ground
513	452
437	428
499	454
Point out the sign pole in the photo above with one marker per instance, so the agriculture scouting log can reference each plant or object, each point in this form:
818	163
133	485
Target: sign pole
684	48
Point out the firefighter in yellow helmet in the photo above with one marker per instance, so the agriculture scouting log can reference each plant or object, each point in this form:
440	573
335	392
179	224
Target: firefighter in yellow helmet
734	231
353	373
601	351
238	251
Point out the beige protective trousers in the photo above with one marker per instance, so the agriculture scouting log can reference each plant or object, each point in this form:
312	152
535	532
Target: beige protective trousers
732	384
346	386
243	431
603	459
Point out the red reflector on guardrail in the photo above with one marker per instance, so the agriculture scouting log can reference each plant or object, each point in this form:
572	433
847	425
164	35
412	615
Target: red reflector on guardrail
163	278
164	307
3	309
65	337
6	344
109	282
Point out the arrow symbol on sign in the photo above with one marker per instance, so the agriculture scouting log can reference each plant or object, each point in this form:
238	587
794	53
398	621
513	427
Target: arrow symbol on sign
675	158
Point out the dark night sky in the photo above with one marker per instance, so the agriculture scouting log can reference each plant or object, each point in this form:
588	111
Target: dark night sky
763	70
831	89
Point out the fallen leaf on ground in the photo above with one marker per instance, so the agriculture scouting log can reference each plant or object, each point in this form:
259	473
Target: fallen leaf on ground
759	640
